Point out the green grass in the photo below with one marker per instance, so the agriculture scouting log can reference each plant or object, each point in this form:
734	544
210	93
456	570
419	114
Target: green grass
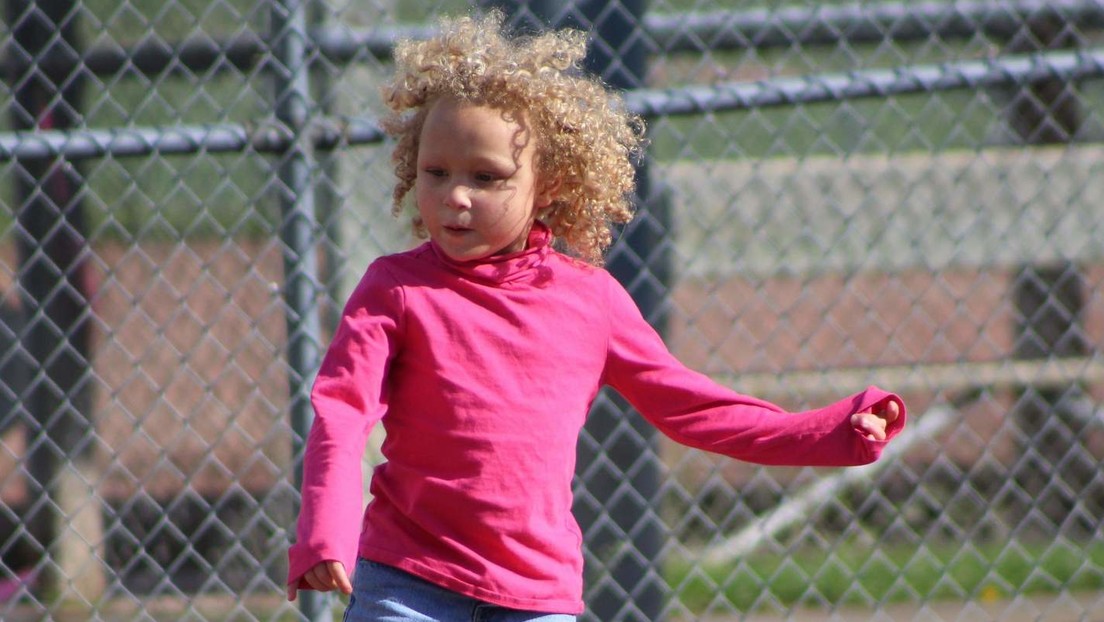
850	573
856	574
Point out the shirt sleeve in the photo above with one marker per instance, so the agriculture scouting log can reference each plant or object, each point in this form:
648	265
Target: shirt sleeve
696	411
349	397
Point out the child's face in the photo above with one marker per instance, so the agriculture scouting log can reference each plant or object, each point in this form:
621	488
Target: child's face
477	188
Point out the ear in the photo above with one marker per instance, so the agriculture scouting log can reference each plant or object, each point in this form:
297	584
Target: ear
547	191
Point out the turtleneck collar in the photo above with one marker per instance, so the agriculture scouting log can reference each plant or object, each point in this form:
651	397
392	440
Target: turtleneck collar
523	265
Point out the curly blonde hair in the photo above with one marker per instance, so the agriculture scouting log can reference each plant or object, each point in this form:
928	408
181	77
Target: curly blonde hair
586	138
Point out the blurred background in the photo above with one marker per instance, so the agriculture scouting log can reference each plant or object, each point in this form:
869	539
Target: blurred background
836	194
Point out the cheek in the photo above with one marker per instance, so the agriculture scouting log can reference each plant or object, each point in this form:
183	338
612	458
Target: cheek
421	196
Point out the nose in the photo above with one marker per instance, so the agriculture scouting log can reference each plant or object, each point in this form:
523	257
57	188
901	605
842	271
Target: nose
458	196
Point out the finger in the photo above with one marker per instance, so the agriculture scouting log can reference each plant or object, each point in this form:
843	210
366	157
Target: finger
340	578
891	411
292	591
877	428
318	579
870	426
874	433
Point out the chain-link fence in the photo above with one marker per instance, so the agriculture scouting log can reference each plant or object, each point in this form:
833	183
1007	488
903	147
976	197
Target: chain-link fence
905	194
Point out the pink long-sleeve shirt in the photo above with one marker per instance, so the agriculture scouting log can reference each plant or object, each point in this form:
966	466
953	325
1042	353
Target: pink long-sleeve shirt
482	374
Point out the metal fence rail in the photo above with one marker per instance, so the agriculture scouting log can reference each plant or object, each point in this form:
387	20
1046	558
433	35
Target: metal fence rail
836	194
328	134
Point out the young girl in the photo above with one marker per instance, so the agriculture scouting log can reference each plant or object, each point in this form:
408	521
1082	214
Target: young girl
482	349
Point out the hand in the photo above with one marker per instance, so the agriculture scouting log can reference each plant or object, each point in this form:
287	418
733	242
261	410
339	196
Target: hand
873	421
324	577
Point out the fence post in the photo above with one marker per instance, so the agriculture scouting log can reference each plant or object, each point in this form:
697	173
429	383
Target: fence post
618	459
636	589
1045	111
299	233
1048	298
65	516
1049	301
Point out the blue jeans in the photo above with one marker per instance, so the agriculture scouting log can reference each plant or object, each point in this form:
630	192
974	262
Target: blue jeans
385	594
